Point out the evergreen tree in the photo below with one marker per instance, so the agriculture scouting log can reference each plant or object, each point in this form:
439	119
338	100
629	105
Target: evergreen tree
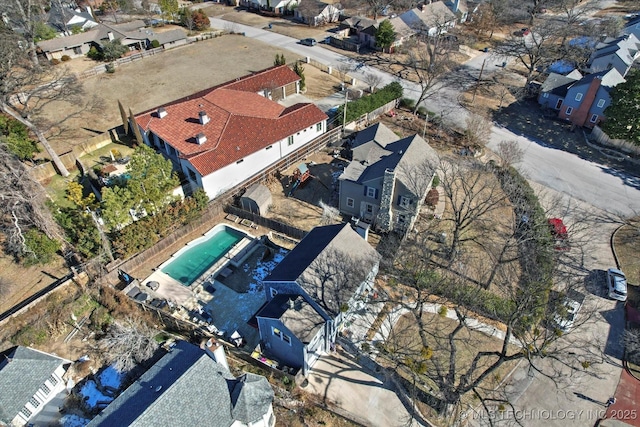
385	35
623	115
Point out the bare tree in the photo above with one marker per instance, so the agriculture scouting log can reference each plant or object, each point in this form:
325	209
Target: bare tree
27	88
129	342
343	69
436	345
22	204
478	130
631	341
509	153
372	80
536	50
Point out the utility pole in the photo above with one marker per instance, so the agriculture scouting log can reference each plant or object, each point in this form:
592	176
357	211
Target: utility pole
426	121
478	82
344	118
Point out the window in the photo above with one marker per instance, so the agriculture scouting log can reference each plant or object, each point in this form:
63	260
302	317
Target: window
569	111
350	202
269	147
319	127
369	208
239	161
274	292
601	103
26	412
278	333
34	402
53	380
371	192
405	202
545	95
290	140
594	118
45	389
77	50
578	97
402	219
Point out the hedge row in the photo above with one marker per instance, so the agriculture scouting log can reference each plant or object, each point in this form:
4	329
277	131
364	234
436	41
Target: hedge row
370	103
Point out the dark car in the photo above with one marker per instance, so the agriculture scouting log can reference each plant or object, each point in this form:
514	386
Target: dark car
308	42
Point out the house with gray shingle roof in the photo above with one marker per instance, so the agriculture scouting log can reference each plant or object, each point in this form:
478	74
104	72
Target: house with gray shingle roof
222	136
387	179
187	387
29	379
132	34
430	18
313	293
554	89
619	53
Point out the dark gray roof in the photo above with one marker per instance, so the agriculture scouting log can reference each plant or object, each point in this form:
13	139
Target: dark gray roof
558	84
96	34
377	149
328	264
169	36
185	387
251	397
298	315
22	371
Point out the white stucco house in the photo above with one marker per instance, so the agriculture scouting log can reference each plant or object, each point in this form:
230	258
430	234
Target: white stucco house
222	136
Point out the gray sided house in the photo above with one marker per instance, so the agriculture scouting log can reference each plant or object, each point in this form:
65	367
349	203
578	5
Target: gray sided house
587	98
619	53
187	387
387	180
554	89
312	292
316	12
29	379
632	27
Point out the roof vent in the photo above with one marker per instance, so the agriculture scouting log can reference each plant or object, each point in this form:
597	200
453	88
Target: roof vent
204	119
292	303
201	138
158	388
162	112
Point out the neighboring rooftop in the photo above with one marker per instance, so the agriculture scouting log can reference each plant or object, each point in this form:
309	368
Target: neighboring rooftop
240	120
22	371
328	264
185	387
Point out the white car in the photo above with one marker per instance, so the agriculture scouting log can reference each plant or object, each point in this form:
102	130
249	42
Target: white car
567	314
617	284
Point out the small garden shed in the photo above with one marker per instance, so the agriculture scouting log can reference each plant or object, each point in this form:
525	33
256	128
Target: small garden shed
257	199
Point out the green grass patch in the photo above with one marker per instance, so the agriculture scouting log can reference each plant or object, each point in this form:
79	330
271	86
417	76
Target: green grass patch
30	336
84	305
57	189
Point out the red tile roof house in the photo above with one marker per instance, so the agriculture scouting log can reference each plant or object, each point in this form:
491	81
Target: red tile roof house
222	136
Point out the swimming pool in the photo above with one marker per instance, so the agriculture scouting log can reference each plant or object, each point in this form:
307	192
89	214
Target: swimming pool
189	263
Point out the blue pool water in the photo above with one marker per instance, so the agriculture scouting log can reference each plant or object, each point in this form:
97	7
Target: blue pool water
196	260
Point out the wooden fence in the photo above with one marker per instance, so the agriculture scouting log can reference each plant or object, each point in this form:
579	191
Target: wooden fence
600	137
100	69
281	227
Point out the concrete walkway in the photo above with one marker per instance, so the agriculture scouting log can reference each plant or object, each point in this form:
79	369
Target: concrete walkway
339	380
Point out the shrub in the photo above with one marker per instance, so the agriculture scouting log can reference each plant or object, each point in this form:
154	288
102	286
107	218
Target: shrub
65	58
155	43
30	335
436	180
110	68
94	54
442	311
55	61
407	103
369	103
422	111
432	197
40	248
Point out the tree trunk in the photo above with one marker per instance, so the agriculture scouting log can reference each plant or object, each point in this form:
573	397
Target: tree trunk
54	157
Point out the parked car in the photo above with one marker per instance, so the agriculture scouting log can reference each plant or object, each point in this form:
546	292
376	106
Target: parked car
559	234
617	284
308	42
567	314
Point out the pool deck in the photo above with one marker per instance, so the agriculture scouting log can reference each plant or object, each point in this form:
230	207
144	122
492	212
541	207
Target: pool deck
194	297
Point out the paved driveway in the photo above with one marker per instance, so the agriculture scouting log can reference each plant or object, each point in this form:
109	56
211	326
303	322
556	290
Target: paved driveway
338	379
